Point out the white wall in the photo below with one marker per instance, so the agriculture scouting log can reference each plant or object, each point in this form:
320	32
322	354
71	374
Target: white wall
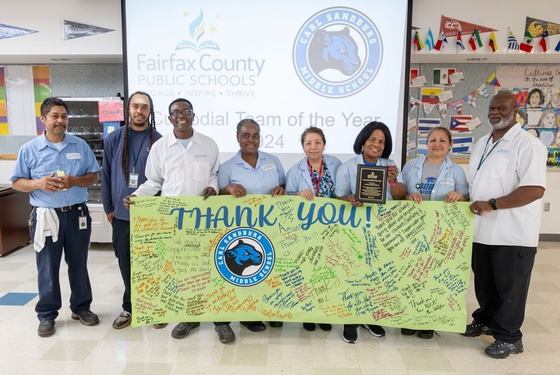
47	43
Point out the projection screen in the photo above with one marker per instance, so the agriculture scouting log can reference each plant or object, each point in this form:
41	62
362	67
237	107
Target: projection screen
287	64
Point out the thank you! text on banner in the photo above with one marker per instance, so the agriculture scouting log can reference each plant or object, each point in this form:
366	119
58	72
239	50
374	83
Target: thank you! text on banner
397	264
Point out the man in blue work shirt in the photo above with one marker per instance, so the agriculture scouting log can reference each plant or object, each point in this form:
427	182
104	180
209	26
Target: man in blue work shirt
55	169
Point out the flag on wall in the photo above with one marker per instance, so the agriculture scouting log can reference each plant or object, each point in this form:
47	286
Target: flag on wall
430	40
443	76
462	144
8	31
459	123
457	106
475	41
471	99
557	48
482	91
492	80
460	41
542	43
72	30
427	124
439	44
512	42
417	41
492	42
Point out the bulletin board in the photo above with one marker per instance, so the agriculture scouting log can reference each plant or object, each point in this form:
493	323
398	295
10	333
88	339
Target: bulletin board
457	97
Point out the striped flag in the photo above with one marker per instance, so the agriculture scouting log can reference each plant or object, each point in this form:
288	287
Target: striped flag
460	41
427	124
492	80
430	40
471	99
422	147
439	44
457	106
475	41
462	144
417	41
481	90
512	42
459	123
492	42
542	43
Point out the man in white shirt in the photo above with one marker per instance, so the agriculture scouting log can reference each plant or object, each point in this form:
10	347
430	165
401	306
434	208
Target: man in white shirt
507	178
183	162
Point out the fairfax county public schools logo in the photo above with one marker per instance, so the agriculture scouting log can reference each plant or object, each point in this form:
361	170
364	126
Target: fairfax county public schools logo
337	52
195	39
244	256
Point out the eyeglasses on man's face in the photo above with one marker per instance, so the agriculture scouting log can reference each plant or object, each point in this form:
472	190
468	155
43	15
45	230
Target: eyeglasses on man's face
177	113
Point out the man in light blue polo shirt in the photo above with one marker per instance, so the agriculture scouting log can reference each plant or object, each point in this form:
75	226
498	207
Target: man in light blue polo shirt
55	169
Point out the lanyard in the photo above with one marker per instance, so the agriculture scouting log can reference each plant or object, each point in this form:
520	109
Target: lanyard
135	157
484	154
316	181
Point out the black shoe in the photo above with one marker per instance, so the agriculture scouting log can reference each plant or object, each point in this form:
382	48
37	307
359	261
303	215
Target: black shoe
374	330
159	325
426	334
46	328
476	329
350	334
276	324
183	329
309	326
501	349
254	326
325	326
407	332
86	317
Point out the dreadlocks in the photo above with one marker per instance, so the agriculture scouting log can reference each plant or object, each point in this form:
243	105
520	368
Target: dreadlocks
151	126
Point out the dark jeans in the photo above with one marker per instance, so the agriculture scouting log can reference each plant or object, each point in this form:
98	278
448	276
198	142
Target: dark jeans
121	244
501	283
75	243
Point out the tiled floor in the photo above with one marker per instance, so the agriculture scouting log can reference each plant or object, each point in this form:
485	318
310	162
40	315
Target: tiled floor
289	350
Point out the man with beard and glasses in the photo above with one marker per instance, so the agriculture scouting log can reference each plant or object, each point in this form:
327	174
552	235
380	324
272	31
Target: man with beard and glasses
125	152
507	177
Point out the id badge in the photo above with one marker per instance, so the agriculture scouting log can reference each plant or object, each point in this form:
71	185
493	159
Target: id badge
133	180
82	222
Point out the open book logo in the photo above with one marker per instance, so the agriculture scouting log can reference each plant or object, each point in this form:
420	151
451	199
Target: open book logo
196	36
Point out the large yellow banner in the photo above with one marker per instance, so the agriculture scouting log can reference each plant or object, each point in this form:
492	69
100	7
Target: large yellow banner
400	264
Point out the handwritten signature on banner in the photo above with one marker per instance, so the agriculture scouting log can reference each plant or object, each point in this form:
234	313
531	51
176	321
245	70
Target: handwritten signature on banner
400	264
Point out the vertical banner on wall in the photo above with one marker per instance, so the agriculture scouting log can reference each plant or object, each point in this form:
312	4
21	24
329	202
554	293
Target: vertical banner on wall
4	130
41	90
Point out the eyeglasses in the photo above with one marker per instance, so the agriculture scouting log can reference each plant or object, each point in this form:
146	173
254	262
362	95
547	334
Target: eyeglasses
177	113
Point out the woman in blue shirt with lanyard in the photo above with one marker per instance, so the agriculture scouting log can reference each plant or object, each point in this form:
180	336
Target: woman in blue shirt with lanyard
372	146
251	171
434	177
312	176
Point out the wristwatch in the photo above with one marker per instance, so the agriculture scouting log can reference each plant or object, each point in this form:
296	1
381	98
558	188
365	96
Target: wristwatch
492	203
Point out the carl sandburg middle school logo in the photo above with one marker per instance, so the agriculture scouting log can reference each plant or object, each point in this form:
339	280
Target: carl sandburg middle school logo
337	52
244	256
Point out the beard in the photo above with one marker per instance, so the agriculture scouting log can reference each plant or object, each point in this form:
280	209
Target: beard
504	123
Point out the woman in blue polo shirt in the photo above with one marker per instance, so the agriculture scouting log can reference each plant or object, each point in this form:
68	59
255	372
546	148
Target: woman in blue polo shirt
312	176
434	177
372	146
251	171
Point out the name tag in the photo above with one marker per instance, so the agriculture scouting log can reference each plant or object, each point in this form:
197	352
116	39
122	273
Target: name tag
447	181
268	167
73	155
